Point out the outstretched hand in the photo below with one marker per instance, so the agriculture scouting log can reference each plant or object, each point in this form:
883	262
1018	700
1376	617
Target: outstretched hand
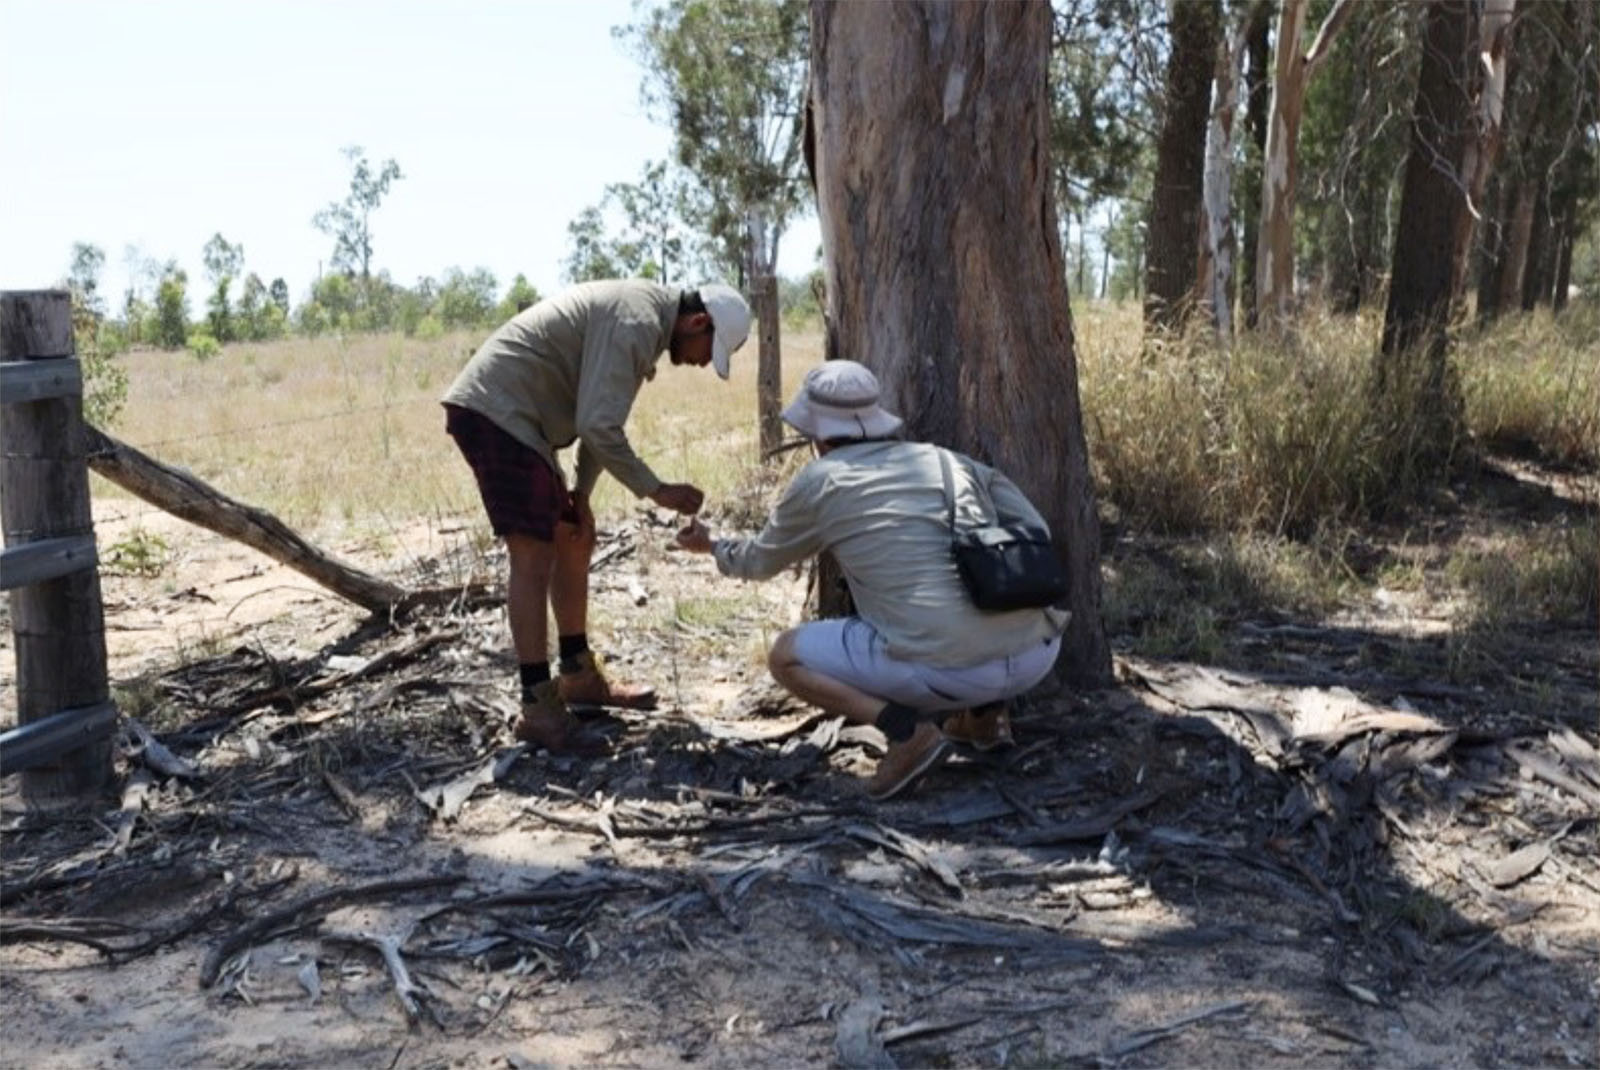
695	537
683	498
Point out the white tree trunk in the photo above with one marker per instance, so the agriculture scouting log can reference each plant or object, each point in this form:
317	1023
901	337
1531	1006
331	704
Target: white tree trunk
1483	150
1292	73
1220	143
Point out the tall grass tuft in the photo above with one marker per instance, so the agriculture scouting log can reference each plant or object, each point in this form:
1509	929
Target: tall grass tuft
1281	435
1532	385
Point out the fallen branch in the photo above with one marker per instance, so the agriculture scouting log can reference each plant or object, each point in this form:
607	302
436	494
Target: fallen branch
186	496
307	912
412	996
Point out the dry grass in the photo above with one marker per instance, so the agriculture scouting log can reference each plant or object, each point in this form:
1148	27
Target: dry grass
1288	436
340	435
1532	385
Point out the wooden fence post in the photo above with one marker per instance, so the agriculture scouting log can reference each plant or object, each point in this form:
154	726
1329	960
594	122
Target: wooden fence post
58	622
769	363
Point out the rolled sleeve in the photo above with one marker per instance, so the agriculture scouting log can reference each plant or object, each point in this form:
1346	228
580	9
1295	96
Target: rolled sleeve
608	384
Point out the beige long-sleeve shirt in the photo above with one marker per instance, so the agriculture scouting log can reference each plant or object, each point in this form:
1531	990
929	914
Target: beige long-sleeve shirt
880	508
568	369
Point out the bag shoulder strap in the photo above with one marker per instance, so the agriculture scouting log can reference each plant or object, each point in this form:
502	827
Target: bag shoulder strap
949	484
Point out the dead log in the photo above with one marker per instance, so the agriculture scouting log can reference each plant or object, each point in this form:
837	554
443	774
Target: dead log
186	496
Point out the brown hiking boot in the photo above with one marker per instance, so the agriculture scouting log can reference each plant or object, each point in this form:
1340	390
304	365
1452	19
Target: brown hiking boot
905	762
588	686
983	728
546	722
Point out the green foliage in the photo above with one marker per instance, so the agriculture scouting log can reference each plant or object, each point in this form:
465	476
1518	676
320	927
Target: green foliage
520	295
83	278
466	300
140	553
171	325
730	76
105	383
591	254
800	300
652	239
223	262
203	346
349	222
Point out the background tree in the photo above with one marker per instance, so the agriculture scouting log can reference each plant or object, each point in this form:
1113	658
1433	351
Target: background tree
172	307
223	263
349	222
730	77
521	294
1433	197
591	252
1175	204
83	277
1352	153
1103	87
940	274
1293	71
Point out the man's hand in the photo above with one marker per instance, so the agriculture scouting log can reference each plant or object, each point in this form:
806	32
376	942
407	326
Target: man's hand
679	497
695	537
580	505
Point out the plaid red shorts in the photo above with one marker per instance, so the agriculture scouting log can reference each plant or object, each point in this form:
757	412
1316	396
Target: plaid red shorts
522	492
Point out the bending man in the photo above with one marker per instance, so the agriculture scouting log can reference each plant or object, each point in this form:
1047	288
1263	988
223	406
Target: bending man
567	369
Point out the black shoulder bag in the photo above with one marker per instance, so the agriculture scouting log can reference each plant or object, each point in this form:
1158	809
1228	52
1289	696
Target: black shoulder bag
1004	566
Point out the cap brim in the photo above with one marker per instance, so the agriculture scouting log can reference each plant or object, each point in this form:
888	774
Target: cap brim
719	356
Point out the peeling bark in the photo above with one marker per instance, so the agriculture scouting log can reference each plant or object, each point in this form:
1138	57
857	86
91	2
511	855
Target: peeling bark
942	254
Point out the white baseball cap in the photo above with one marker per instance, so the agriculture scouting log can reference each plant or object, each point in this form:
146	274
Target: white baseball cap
730	322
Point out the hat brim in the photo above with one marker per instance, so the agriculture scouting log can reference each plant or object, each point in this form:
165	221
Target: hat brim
720	354
824	422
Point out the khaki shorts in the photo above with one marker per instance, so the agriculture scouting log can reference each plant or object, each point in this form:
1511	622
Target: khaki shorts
850	650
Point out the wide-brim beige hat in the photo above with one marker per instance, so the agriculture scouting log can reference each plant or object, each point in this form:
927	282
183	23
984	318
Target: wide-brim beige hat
839	399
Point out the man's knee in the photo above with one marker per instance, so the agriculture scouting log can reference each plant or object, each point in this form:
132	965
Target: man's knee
782	659
529	554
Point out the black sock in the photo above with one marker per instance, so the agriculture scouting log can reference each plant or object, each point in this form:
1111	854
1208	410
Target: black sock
897	722
532	674
570	647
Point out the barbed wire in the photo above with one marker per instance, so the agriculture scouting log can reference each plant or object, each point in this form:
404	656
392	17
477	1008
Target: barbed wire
275	424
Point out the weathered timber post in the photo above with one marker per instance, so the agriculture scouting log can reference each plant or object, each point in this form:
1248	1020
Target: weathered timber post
56	616
769	362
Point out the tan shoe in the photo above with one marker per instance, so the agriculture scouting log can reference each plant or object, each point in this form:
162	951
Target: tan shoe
984	728
546	722
588	686
907	761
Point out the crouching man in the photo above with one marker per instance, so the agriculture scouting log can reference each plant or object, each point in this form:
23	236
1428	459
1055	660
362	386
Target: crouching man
920	661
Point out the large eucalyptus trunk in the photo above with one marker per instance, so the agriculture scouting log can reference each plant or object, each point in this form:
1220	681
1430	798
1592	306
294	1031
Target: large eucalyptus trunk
930	132
1175	201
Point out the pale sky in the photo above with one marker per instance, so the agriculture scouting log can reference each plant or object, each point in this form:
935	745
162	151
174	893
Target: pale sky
159	124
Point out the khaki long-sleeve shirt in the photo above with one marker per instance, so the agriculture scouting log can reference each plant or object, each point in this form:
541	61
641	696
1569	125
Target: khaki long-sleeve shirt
568	369
880	508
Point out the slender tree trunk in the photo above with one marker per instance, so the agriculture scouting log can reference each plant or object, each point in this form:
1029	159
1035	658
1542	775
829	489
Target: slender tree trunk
1514	270
1257	56
1433	196
1220	147
1566	236
1483	149
1280	168
1540	266
943	258
1180	165
1493	249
